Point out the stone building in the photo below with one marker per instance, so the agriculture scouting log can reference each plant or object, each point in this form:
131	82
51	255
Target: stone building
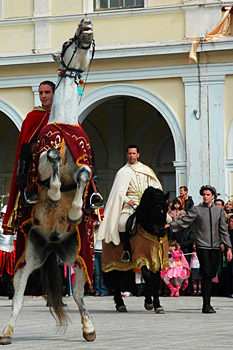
141	87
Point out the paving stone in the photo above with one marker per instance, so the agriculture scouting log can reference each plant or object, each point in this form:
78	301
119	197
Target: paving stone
182	327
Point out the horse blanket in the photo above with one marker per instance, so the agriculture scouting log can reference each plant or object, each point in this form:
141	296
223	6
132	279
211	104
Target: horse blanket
57	135
146	249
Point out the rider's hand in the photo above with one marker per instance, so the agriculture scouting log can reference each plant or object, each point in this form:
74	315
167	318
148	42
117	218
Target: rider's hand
131	202
166	225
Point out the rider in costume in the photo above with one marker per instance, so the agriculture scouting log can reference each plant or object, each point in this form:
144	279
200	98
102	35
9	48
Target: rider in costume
31	126
128	186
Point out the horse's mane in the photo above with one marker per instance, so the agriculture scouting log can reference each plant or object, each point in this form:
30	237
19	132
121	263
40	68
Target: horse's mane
148	213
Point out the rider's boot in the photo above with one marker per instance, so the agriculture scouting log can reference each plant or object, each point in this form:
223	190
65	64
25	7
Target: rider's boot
29	197
126	255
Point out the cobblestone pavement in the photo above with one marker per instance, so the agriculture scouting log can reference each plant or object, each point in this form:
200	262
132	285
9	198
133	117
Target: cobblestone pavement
183	326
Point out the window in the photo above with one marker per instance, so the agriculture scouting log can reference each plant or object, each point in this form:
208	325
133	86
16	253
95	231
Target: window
116	4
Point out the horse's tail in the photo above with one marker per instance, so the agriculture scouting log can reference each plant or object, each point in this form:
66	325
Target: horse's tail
53	289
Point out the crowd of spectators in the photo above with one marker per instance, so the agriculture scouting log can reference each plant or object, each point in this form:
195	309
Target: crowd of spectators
179	206
223	281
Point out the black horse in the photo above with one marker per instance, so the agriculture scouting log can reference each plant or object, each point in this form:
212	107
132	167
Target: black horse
149	250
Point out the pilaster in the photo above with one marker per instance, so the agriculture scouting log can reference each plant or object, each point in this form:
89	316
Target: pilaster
204	117
36	95
41	8
181	174
42	26
88	6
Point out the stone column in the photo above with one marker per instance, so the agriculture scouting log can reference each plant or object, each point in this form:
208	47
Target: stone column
181	175
204	104
36	96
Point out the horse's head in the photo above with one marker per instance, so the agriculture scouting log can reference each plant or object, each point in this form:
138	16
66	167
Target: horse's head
84	34
152	210
82	39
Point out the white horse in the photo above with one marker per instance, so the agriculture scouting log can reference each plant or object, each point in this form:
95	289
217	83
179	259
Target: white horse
53	229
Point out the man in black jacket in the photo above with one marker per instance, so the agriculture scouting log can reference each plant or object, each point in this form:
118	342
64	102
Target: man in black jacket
209	225
185	200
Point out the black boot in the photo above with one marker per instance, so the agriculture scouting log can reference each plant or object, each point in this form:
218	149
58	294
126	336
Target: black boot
126	255
29	197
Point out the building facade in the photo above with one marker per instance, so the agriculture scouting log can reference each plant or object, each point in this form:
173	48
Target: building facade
141	87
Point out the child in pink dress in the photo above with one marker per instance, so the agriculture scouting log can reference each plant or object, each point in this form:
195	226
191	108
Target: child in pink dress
176	210
178	272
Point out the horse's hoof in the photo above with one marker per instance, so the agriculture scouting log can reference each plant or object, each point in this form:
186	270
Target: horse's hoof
159	310
6	340
73	223
121	308
89	336
148	307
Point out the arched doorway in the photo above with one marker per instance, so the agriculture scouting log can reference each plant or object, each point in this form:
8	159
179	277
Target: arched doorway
122	114
8	144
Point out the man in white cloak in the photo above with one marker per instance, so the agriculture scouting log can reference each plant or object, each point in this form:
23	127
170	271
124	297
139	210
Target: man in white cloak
129	184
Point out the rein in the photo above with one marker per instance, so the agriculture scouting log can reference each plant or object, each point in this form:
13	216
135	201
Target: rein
76	40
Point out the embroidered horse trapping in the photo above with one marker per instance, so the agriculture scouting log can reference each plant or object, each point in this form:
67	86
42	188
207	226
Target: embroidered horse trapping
58	136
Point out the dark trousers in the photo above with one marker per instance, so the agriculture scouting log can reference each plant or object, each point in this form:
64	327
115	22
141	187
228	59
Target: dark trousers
209	260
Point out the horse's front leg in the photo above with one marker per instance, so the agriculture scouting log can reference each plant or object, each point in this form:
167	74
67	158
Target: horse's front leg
20	280
152	284
49	168
82	177
78	291
156	285
120	306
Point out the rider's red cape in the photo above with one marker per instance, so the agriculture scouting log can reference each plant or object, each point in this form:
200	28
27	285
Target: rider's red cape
33	123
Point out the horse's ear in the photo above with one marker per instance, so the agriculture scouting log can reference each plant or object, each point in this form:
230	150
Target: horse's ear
167	195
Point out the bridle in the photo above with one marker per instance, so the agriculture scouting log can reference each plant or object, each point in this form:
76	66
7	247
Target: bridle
66	45
158	230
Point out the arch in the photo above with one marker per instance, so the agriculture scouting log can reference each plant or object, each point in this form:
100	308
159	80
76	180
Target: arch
12	113
4	146
104	93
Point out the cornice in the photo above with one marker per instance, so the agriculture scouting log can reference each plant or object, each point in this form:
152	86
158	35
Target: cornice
210	74
113	13
93	15
104	53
